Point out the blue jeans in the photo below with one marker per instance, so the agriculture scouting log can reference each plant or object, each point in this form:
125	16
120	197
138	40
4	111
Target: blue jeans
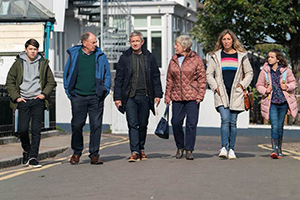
228	127
137	114
277	114
180	110
81	106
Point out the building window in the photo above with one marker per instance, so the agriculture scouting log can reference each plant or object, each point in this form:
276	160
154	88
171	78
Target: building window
144	32
156	46
140	21
156	21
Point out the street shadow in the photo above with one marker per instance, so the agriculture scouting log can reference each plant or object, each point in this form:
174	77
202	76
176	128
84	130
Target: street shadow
202	155
159	155
245	155
105	159
112	158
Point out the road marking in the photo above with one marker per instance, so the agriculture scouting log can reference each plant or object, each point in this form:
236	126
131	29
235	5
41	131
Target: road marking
290	153
58	161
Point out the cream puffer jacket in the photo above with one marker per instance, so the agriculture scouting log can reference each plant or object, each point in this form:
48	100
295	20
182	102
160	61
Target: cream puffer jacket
215	80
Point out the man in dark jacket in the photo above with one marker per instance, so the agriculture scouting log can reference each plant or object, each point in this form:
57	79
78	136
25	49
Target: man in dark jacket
137	88
87	83
29	83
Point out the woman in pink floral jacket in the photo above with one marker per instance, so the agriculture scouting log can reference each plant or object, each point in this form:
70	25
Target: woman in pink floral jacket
277	84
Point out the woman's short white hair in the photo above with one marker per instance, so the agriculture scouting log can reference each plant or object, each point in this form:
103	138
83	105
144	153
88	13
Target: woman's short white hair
185	41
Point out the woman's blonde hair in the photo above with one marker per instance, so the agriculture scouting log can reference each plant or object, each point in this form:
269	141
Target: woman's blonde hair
185	41
236	44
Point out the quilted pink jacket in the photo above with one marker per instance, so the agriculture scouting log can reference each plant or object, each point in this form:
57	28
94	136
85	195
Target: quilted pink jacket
289	95
187	82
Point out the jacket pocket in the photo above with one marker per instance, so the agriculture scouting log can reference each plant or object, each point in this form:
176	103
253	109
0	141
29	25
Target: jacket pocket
101	90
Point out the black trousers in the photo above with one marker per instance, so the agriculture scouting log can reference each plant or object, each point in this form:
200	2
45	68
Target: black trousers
32	111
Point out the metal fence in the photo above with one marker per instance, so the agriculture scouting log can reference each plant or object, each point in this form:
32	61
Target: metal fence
7	122
6	114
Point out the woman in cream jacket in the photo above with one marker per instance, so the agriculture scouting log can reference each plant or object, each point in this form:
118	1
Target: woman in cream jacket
228	73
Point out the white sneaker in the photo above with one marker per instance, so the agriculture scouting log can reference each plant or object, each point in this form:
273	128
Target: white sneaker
223	153
231	154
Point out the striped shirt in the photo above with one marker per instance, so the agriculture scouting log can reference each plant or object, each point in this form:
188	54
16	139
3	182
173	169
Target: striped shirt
229	64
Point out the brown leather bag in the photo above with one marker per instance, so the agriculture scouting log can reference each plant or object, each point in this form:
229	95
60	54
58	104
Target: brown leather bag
248	96
248	100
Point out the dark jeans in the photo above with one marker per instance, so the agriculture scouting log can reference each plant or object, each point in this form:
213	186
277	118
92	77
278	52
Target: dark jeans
81	106
180	110
31	110
137	114
277	114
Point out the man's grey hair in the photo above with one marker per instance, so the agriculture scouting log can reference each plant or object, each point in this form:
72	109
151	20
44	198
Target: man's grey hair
85	36
136	33
185	41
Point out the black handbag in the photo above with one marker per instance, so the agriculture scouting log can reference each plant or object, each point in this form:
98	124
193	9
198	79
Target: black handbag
162	128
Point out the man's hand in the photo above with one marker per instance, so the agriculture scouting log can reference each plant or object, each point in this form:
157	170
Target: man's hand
40	96
20	100
157	101
118	103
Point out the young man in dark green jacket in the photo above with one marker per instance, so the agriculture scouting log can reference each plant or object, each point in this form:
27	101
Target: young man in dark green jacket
29	83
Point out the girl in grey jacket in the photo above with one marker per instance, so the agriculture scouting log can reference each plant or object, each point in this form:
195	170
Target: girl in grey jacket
228	73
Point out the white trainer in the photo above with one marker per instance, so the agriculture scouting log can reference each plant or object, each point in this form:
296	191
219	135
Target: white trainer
223	153
231	154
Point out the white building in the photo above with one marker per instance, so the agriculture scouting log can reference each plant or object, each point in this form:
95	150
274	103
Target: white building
159	21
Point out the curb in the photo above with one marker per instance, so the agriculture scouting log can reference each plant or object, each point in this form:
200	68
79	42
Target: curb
14	161
44	134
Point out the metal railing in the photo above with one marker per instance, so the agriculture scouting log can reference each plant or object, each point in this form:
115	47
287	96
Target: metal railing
7	123
114	17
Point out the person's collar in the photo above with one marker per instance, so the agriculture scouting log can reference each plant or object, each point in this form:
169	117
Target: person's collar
84	53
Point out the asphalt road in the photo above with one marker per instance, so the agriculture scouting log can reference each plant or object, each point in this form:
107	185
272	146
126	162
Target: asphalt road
252	176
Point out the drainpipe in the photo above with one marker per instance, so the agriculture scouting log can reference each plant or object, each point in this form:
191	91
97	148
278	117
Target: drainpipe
101	24
48	29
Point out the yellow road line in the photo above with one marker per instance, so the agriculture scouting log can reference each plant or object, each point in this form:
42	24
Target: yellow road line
290	153
27	170
18	172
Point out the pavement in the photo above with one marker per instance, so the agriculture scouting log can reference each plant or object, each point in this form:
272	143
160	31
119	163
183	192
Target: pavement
52	143
254	175
55	142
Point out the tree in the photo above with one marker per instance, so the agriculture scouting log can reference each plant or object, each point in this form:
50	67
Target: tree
252	21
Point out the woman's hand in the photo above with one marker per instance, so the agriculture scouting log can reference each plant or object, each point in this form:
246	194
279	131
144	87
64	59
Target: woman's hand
217	91
240	86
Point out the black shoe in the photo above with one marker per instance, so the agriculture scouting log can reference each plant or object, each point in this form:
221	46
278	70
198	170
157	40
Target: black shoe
25	160
189	155
179	153
34	163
